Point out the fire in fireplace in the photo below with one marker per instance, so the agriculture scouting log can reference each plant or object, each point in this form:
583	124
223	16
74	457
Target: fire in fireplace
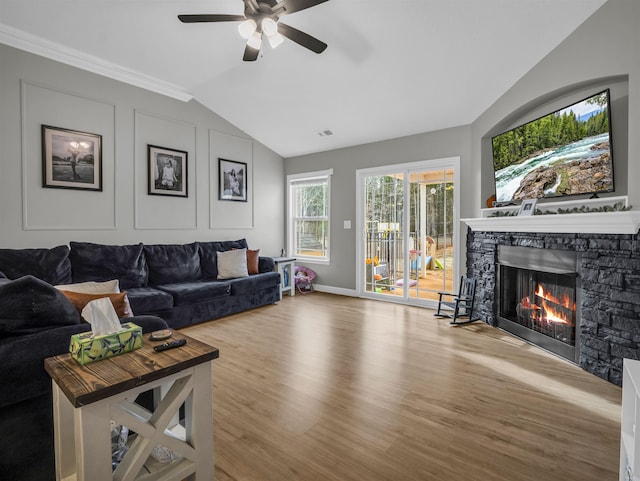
537	291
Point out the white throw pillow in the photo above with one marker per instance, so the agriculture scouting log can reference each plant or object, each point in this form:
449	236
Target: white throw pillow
91	287
232	264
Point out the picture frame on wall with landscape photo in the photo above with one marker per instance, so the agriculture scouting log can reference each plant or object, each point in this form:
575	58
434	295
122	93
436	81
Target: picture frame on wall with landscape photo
167	171
233	180
71	159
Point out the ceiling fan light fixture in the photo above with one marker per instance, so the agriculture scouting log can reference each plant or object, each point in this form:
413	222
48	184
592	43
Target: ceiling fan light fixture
247	28
275	40
255	41
269	27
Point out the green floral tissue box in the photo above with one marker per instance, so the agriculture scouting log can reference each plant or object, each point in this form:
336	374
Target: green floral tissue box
85	349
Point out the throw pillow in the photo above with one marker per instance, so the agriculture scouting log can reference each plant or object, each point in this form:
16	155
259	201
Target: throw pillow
232	264
208	251
119	300
252	261
92	287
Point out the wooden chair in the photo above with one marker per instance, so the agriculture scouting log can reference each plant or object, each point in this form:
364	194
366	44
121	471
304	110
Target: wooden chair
461	306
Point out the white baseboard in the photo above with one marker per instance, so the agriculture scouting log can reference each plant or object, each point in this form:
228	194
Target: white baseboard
336	290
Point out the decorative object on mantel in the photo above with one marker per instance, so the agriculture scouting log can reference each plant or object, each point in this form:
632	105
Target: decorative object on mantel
491	201
617	207
527	207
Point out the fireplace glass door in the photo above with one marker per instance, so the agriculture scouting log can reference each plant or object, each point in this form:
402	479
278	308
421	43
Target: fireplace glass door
541	301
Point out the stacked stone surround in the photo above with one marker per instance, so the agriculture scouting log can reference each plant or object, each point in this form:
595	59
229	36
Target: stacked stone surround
610	300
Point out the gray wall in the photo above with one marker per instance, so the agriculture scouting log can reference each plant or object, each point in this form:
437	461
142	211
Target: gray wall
36	91
341	273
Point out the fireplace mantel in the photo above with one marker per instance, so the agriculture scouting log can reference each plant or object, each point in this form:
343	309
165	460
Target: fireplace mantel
625	222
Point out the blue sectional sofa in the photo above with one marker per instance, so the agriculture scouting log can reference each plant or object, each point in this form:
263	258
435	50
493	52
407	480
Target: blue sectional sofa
167	286
177	282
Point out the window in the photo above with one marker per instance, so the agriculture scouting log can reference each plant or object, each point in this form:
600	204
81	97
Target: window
308	219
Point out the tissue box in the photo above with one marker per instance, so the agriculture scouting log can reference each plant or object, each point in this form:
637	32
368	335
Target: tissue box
85	349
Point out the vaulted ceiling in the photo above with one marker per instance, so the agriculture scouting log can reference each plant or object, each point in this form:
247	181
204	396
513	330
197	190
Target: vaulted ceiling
392	68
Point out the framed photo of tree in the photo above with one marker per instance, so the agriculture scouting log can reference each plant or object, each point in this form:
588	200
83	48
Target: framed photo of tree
71	159
233	180
167	171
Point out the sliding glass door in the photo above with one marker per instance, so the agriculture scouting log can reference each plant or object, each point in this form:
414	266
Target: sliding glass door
407	218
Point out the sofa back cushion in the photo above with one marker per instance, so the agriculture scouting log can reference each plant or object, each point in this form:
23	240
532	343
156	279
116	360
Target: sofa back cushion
29	305
208	255
98	262
171	263
50	265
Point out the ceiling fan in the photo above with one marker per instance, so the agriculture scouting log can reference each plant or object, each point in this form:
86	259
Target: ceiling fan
262	17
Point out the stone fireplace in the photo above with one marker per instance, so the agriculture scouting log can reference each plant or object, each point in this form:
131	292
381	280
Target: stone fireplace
606	319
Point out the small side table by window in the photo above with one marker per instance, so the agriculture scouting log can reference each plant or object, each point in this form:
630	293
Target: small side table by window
286	267
87	398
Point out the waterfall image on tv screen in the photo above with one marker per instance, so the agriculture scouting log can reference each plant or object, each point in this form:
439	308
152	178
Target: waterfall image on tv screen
567	152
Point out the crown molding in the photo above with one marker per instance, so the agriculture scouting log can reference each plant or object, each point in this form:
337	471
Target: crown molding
22	40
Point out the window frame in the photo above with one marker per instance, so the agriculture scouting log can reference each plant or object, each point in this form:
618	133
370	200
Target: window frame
293	181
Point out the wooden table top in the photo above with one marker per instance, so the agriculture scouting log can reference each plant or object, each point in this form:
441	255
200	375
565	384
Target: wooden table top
101	379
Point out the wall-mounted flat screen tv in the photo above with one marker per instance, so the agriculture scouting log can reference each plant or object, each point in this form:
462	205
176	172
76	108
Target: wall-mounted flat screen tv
567	152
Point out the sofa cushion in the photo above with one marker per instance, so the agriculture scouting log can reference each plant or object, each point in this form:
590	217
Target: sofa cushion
145	300
208	256
171	263
266	264
50	265
195	292
29	305
99	262
247	285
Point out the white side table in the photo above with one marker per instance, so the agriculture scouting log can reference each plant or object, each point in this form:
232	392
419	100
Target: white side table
87	398
286	267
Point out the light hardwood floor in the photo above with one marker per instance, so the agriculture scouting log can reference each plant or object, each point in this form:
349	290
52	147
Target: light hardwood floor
325	387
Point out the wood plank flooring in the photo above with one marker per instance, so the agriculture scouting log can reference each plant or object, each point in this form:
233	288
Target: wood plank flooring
333	388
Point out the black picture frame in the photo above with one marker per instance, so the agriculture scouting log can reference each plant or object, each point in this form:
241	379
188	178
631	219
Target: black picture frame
71	159
167	171
233	182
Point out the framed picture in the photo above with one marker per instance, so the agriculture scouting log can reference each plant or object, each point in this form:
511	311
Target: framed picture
233	180
71	159
167	171
527	207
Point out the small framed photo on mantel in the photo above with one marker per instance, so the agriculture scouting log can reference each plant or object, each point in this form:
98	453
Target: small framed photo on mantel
527	207
167	171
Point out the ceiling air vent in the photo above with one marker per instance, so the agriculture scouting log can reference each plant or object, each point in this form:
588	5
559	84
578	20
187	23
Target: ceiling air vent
324	133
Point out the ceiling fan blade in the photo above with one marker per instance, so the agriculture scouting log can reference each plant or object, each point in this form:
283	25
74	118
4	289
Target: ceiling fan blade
210	18
250	54
301	38
291	6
